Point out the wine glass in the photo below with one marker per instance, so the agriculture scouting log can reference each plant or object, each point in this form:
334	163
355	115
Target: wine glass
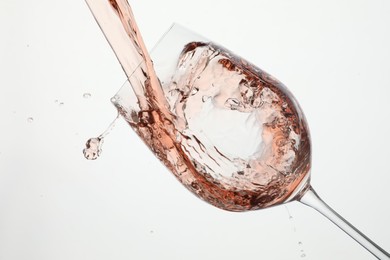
293	184
232	134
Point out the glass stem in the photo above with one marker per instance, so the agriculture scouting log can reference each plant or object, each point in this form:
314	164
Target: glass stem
311	199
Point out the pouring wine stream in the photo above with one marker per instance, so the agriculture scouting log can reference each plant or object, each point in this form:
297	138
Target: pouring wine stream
154	118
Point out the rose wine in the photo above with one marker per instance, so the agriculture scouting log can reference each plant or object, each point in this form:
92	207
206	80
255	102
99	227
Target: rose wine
230	133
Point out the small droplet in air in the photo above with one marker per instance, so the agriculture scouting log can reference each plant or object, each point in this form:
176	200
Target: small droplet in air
87	95
30	120
92	148
300	243
58	102
303	255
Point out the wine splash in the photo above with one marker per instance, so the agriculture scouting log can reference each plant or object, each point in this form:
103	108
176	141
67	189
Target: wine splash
231	133
93	146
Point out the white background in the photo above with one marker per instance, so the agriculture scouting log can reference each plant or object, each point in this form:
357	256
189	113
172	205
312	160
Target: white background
333	55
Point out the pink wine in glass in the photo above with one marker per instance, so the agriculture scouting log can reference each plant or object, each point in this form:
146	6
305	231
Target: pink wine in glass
231	133
237	138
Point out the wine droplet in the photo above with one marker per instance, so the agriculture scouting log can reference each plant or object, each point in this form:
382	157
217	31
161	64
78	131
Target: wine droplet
30	120
92	148
302	251
87	95
290	217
